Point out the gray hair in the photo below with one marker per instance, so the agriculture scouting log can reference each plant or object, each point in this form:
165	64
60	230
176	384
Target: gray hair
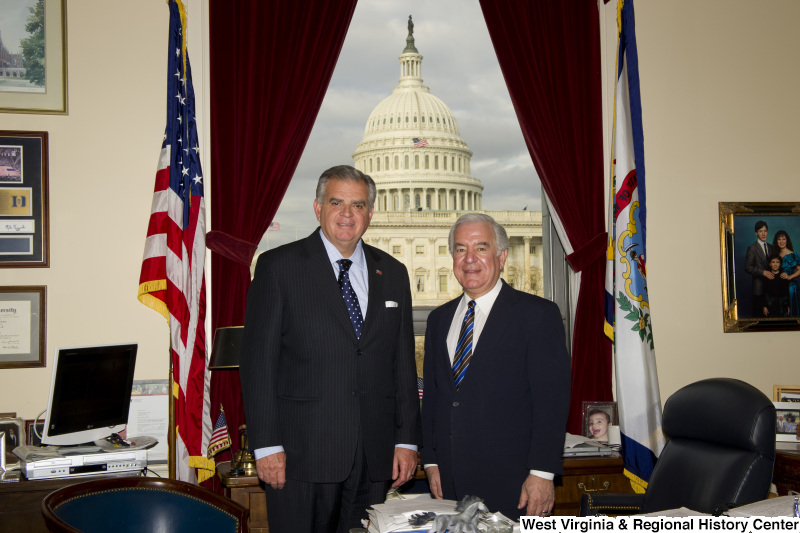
345	173
500	235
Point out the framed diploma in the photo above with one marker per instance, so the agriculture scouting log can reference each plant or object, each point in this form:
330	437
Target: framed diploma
22	326
24	209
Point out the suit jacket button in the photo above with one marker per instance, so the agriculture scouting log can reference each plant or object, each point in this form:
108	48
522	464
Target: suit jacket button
359	353
455	404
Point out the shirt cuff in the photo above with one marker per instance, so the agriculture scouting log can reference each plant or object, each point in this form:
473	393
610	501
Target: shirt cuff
412	447
543	475
263	452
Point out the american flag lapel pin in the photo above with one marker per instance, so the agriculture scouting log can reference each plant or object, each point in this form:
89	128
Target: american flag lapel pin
378	272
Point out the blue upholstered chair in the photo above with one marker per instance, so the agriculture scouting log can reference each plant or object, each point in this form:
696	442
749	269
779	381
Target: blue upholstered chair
137	504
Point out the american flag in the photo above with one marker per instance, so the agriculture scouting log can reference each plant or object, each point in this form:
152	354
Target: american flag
274	226
220	440
419	142
172	280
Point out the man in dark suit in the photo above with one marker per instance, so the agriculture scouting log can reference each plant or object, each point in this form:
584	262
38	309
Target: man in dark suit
496	383
327	367
756	263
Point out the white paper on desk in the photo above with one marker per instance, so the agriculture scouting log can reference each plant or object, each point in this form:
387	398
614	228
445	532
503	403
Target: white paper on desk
781	506
682	511
149	416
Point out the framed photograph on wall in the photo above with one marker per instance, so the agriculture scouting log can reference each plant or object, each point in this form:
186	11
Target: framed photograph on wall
786	393
33	77
597	418
22	326
24	199
786	414
760	266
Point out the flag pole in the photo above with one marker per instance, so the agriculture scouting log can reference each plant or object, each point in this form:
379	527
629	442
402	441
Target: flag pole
171	433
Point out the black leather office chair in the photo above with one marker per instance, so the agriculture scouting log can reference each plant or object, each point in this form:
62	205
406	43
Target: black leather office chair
721	450
137	504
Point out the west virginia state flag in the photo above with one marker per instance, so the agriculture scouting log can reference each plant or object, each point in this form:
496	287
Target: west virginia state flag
627	305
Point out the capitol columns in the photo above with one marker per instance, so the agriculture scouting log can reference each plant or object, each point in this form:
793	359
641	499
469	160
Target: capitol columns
526	284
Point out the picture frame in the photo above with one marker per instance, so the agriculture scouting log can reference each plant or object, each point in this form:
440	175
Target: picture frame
32	427
8	415
746	295
786	393
39	89
23	326
13	430
591	408
24	199
786	418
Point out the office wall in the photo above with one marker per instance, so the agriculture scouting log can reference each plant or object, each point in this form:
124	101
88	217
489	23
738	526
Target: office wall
720	111
103	158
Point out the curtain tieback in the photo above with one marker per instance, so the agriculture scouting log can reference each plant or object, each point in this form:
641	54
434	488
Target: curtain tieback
234	248
590	252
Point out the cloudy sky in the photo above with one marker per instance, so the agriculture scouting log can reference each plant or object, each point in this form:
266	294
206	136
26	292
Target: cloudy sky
13	15
459	67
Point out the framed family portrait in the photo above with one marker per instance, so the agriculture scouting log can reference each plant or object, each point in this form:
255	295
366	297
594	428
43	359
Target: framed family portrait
24	199
760	266
786	414
13	430
597	418
33	77
22	326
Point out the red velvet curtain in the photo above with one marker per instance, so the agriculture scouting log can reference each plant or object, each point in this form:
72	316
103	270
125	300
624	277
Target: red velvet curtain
270	65
549	52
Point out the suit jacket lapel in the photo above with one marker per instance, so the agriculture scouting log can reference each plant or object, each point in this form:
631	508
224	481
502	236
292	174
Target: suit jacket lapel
321	274
499	319
440	342
375	276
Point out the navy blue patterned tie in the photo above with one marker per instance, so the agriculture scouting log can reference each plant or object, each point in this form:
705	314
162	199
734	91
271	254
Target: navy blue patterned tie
349	295
464	346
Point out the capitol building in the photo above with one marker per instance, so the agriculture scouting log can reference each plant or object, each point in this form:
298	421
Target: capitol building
413	150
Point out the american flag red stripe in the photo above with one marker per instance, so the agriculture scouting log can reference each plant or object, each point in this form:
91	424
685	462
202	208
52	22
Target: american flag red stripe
172	279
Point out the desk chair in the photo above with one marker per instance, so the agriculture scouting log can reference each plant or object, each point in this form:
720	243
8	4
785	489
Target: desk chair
136	504
721	450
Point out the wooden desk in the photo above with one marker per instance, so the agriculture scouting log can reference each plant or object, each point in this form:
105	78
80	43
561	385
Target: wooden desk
588	475
786	475
21	501
247	492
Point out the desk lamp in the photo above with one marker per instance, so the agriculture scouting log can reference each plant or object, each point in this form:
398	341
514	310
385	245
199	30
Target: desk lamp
225	356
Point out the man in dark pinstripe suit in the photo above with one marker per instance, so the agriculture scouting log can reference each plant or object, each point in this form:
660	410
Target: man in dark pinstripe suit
331	402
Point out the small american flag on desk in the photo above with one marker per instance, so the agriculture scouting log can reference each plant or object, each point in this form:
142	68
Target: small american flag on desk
220	440
419	142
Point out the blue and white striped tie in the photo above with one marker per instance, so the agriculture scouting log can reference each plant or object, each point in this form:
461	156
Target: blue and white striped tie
464	347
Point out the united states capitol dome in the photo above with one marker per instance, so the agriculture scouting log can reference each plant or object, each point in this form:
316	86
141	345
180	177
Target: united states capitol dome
413	149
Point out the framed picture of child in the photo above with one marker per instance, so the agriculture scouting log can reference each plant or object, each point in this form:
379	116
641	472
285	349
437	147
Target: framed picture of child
786	419
760	265
597	418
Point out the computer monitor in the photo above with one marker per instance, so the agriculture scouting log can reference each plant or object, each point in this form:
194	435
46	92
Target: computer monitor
90	393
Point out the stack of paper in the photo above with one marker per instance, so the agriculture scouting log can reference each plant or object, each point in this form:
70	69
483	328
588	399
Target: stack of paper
393	515
577	445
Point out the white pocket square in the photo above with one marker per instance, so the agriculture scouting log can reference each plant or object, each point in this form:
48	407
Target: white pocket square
390	303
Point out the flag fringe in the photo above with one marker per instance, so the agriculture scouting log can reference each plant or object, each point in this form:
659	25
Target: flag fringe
151	301
638	485
205	467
